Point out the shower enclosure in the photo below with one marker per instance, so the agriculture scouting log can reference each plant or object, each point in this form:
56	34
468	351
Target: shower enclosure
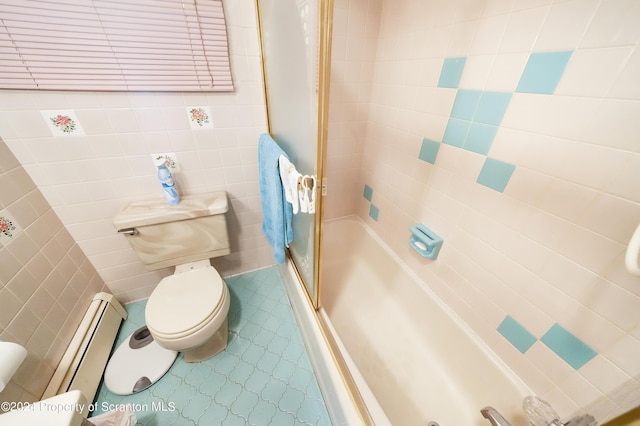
433	117
294	39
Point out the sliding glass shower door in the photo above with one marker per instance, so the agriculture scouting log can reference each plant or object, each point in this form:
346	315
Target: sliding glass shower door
292	45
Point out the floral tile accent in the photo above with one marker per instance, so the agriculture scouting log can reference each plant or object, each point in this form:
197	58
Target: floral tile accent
8	227
168	158
63	122
199	117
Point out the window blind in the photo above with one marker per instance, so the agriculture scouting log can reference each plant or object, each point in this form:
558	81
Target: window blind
114	45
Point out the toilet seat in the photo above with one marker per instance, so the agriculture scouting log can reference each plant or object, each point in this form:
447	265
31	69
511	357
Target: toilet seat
194	299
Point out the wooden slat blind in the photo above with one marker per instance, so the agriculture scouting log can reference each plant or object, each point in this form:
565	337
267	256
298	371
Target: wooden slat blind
114	45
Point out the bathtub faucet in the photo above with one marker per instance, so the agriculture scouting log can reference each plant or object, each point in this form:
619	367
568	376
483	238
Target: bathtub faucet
494	417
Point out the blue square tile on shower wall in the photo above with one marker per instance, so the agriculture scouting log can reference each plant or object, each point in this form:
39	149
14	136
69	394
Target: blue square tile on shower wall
495	174
465	104
516	334
456	132
374	212
572	350
368	192
543	72
491	107
451	72
429	151
480	138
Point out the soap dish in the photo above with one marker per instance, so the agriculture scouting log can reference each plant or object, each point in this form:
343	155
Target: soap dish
426	242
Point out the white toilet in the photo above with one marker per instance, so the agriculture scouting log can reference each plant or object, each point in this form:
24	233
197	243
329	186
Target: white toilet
188	310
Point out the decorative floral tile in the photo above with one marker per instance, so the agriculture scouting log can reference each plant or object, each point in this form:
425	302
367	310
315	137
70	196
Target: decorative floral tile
63	122
199	117
168	158
8	227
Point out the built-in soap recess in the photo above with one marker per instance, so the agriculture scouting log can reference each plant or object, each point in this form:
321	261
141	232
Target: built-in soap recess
426	242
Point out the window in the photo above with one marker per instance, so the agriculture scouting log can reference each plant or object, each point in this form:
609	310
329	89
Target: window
114	45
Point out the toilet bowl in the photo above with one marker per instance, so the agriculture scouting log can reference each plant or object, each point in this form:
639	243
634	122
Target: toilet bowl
187	311
198	302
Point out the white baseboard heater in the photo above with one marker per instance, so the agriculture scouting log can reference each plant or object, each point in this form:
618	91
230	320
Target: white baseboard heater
83	363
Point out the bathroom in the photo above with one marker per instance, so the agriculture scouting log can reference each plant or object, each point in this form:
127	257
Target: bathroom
540	244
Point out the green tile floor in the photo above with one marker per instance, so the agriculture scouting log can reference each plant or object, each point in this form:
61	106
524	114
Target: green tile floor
264	377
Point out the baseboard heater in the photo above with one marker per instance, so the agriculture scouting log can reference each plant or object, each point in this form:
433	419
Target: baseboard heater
83	363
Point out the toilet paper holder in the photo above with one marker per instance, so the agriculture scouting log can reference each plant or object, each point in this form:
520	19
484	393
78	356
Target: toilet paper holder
426	242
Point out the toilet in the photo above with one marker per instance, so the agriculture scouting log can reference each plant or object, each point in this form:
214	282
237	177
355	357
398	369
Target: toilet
187	311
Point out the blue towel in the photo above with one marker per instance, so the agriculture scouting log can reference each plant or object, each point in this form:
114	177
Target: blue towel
276	213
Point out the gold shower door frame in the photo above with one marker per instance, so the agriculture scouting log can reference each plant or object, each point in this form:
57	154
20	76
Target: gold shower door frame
322	74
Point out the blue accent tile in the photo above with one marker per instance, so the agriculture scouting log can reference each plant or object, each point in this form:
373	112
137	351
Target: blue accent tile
567	346
374	212
491	107
465	104
429	151
495	174
516	334
480	138
456	132
368	192
543	72
451	72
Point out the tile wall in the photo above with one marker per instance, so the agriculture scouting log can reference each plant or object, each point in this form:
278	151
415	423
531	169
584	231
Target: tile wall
510	128
46	281
89	153
355	29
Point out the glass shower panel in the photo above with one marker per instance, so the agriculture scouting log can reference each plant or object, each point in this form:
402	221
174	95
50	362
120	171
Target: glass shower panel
289	31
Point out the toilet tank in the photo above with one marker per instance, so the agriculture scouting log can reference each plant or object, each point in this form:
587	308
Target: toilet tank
167	235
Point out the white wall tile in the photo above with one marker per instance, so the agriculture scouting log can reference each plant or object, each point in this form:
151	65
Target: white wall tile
549	248
86	177
31	286
613	125
489	35
565	25
522	30
476	72
585	75
619	351
581	390
614	24
624	87
506	70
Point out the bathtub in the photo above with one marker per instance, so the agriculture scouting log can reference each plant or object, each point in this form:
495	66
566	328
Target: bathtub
414	360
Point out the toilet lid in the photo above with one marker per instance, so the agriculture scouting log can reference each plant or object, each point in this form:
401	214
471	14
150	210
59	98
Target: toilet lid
191	297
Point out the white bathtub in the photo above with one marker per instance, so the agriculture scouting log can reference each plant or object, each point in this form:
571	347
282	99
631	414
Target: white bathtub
418	359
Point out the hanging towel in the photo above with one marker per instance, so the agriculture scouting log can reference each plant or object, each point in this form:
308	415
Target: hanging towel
276	213
290	177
